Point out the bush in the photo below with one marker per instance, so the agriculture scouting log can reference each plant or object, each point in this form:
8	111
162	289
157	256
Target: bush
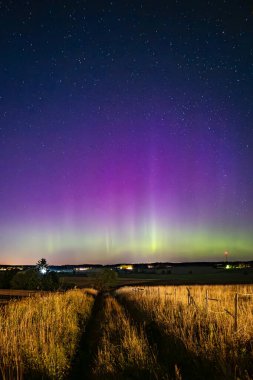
6	277
105	279
50	281
31	280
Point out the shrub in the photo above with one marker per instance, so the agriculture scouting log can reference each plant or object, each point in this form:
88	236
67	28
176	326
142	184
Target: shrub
32	279
6	277
29	279
50	281
105	279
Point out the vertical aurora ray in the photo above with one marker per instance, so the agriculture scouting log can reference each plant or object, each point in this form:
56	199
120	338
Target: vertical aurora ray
150	241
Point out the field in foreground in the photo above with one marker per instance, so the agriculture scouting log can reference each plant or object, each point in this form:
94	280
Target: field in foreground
207	330
39	335
159	332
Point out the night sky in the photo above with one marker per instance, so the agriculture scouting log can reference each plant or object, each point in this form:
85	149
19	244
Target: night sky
126	131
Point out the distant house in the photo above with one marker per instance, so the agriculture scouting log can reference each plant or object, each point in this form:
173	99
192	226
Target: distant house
125	267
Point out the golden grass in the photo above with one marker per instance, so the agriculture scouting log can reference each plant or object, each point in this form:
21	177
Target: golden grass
207	333
123	349
40	334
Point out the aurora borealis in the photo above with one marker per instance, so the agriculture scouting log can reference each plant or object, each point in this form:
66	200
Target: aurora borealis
126	131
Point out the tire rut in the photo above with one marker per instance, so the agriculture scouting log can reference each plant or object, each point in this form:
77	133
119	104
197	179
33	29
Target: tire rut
82	364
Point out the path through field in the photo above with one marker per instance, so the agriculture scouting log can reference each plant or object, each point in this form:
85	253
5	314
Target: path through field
115	346
126	340
88	343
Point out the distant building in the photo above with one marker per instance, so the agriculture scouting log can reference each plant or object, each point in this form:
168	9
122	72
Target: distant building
127	267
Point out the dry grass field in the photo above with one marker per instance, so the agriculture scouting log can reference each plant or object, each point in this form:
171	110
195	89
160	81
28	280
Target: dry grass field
39	335
209	326
142	332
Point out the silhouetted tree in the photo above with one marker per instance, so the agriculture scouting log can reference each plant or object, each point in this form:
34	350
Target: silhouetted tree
42	265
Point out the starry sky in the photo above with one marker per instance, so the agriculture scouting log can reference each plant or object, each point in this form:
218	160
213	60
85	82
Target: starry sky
126	131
